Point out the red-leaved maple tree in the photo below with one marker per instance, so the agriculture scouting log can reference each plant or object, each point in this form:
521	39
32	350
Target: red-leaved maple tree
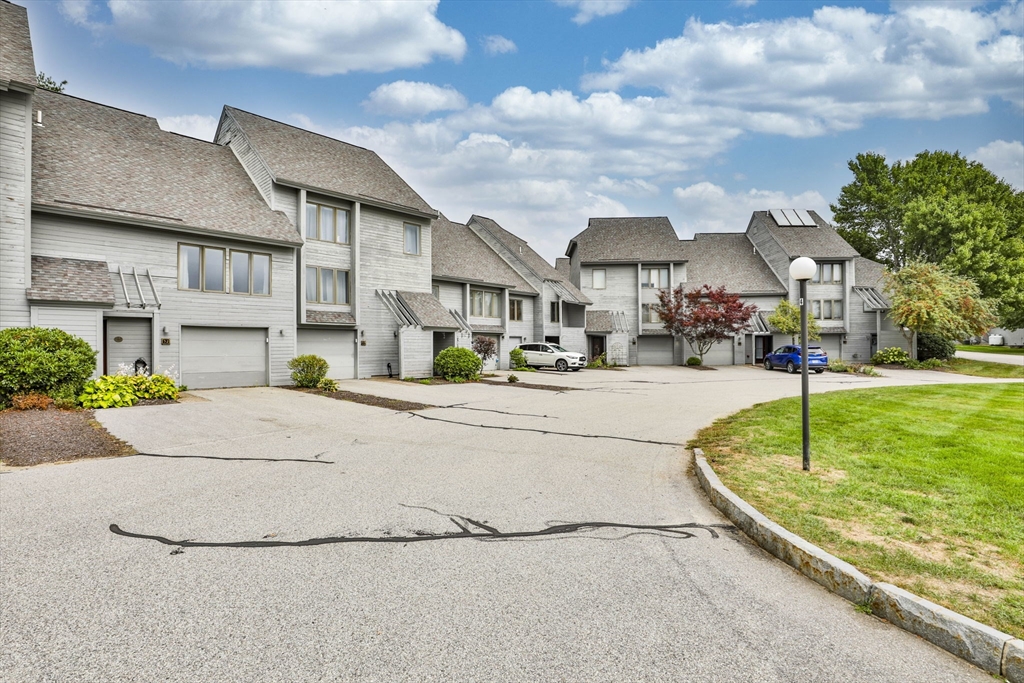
703	316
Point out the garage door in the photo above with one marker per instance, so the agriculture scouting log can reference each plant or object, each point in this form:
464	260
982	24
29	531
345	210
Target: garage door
720	354
223	357
830	343
337	347
654	350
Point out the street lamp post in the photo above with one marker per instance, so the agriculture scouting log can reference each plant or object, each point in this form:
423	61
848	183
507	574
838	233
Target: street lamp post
802	270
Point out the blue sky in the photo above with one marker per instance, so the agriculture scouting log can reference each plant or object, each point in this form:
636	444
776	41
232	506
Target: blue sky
542	114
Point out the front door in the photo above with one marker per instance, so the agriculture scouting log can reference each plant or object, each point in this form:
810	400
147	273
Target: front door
596	346
762	347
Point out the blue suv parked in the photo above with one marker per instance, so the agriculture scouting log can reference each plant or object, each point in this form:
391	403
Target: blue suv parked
789	357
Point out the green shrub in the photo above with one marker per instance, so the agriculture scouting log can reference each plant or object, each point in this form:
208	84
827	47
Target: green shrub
517	359
597	363
43	360
839	366
307	370
931	364
892	355
426	381
109	391
911	364
154	386
868	370
456	364
512	379
327	384
931	346
693	360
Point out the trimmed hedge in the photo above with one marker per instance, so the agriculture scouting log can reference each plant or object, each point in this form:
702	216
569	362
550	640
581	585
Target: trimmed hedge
43	360
457	364
934	346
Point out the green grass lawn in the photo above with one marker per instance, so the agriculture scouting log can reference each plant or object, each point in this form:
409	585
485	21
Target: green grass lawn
963	366
922	487
981	348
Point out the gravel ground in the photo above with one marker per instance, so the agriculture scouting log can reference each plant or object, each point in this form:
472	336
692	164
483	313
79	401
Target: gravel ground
34	437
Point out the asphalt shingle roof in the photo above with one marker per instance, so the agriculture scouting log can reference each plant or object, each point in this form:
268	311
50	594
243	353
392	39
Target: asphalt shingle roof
17	64
105	161
457	252
428	310
312	160
729	260
71	280
868	273
629	239
330	317
816	242
531	259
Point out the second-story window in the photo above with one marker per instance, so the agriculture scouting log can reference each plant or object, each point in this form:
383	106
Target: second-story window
436	291
556	312
829	274
599	278
827	309
484	304
327	223
326	285
650	314
515	309
214	269
654	278
412	238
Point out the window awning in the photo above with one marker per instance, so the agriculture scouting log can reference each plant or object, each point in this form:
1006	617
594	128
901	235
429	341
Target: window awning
873	299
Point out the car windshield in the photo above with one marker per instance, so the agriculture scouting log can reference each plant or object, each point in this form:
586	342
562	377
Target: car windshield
556	347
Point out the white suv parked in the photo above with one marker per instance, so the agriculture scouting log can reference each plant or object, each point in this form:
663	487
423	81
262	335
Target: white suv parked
551	355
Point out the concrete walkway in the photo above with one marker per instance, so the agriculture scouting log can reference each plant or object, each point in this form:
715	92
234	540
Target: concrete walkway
623	602
1009	359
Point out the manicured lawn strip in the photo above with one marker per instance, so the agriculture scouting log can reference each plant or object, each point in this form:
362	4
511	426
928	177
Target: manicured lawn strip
922	487
962	366
982	348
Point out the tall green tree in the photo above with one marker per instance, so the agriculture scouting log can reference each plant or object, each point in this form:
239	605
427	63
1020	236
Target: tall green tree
786	319
939	208
927	298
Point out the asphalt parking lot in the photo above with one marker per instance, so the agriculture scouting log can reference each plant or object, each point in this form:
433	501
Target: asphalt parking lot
511	534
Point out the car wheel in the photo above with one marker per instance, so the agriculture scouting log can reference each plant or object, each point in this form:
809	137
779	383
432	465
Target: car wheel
768	365
819	371
561	365
791	367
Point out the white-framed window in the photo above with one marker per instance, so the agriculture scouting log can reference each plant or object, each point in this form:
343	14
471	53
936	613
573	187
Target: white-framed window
484	304
654	278
326	285
827	309
556	312
436	291
515	309
327	223
829	274
599	278
649	314
412	238
215	269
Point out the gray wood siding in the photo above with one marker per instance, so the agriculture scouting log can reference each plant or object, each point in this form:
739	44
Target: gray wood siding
158	250
15	201
450	295
862	326
525	327
384	265
82	322
286	200
417	352
770	250
619	294
232	135
574	339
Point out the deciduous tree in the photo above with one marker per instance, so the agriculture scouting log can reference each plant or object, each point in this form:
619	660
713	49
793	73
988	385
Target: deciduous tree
703	316
47	83
786	319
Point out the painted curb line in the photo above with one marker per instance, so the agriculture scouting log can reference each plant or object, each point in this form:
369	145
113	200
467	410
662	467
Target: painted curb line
985	647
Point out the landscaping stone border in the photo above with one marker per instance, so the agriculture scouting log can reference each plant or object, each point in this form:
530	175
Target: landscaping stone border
985	647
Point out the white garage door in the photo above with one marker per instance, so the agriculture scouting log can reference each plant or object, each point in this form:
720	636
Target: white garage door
223	357
720	354
830	343
654	350
337	347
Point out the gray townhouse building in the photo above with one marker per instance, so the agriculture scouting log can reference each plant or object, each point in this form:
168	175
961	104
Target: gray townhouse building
621	263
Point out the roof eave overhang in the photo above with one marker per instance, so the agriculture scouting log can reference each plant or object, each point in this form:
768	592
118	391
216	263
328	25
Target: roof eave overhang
362	199
159	225
629	262
18	86
64	302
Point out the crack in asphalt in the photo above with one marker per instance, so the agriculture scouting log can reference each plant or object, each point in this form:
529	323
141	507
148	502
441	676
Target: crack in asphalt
218	457
463	406
545	431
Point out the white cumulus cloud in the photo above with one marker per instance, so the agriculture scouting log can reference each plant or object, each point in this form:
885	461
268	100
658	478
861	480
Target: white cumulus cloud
410	98
1005	159
193	125
498	45
587	10
707	207
804	76
308	36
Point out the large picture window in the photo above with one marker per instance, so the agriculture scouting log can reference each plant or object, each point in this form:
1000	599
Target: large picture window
654	278
326	285
327	223
213	269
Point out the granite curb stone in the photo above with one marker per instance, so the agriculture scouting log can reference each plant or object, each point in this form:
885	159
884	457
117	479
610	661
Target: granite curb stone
981	645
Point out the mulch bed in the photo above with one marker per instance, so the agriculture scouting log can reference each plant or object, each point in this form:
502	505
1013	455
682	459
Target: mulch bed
34	437
368	399
700	367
